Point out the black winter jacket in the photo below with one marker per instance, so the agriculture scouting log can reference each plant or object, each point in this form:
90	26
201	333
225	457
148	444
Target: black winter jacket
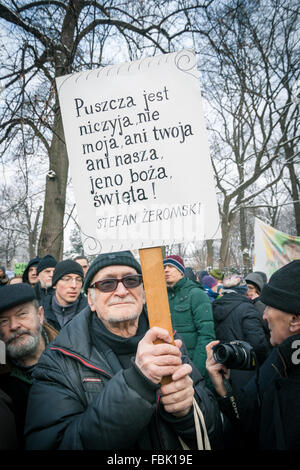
83	399
50	315
8	433
235	317
42	292
16	383
275	418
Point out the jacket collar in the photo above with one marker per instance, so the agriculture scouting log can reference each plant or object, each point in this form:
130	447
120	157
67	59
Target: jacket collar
75	340
289	354
179	284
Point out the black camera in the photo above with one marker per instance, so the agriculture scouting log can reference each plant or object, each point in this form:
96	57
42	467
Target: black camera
235	355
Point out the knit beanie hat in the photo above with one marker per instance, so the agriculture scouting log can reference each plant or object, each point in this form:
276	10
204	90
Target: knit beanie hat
216	273
209	281
235	283
15	294
282	291
65	267
175	260
121	258
47	262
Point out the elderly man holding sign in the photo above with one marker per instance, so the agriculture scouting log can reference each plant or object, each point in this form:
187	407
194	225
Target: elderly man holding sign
101	378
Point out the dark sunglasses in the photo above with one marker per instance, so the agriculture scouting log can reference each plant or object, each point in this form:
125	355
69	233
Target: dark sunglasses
109	285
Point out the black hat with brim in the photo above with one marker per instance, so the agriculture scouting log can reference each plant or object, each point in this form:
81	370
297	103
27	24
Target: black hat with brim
15	294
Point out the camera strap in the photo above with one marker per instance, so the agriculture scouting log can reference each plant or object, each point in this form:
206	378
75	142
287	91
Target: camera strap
230	396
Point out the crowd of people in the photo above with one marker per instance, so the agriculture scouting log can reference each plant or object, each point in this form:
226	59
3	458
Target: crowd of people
84	370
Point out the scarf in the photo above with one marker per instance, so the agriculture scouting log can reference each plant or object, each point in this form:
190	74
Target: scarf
124	348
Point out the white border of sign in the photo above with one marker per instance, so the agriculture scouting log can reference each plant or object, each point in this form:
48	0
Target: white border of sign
139	154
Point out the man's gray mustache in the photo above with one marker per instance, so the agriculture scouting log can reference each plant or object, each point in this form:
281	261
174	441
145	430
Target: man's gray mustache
16	334
127	300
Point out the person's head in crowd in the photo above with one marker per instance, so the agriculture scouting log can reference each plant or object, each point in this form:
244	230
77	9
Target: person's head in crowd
21	321
30	274
67	281
115	291
84	262
217	274
281	295
189	273
3	277
210	282
234	283
15	280
174	269
45	269
200	275
263	275
255	284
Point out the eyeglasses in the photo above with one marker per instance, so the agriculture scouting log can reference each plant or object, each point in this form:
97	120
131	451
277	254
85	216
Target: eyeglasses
109	285
70	280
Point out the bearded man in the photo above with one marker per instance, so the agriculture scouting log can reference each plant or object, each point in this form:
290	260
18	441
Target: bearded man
25	335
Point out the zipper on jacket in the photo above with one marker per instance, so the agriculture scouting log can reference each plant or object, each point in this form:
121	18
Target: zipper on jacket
85	363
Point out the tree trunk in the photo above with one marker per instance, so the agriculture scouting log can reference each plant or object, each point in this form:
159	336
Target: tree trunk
52	236
226	226
244	242
289	153
210	253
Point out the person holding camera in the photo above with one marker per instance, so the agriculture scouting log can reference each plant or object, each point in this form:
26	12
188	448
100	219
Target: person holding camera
268	406
236	318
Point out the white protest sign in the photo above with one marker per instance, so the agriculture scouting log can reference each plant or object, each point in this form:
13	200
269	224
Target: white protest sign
139	154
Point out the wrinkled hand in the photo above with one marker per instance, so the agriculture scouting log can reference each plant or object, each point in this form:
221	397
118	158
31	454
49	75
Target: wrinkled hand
177	396
214	369
158	360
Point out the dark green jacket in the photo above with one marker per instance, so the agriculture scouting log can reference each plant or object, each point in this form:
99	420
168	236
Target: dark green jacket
192	318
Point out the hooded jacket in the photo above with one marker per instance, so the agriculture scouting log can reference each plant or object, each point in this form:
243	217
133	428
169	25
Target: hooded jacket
32	262
96	404
3	280
256	279
192	318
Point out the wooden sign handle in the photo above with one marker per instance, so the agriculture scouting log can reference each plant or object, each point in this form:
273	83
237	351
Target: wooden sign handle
156	291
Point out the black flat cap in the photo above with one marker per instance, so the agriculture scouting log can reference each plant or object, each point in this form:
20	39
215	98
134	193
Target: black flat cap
15	294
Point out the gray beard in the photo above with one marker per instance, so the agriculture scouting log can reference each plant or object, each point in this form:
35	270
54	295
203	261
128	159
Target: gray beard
17	351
